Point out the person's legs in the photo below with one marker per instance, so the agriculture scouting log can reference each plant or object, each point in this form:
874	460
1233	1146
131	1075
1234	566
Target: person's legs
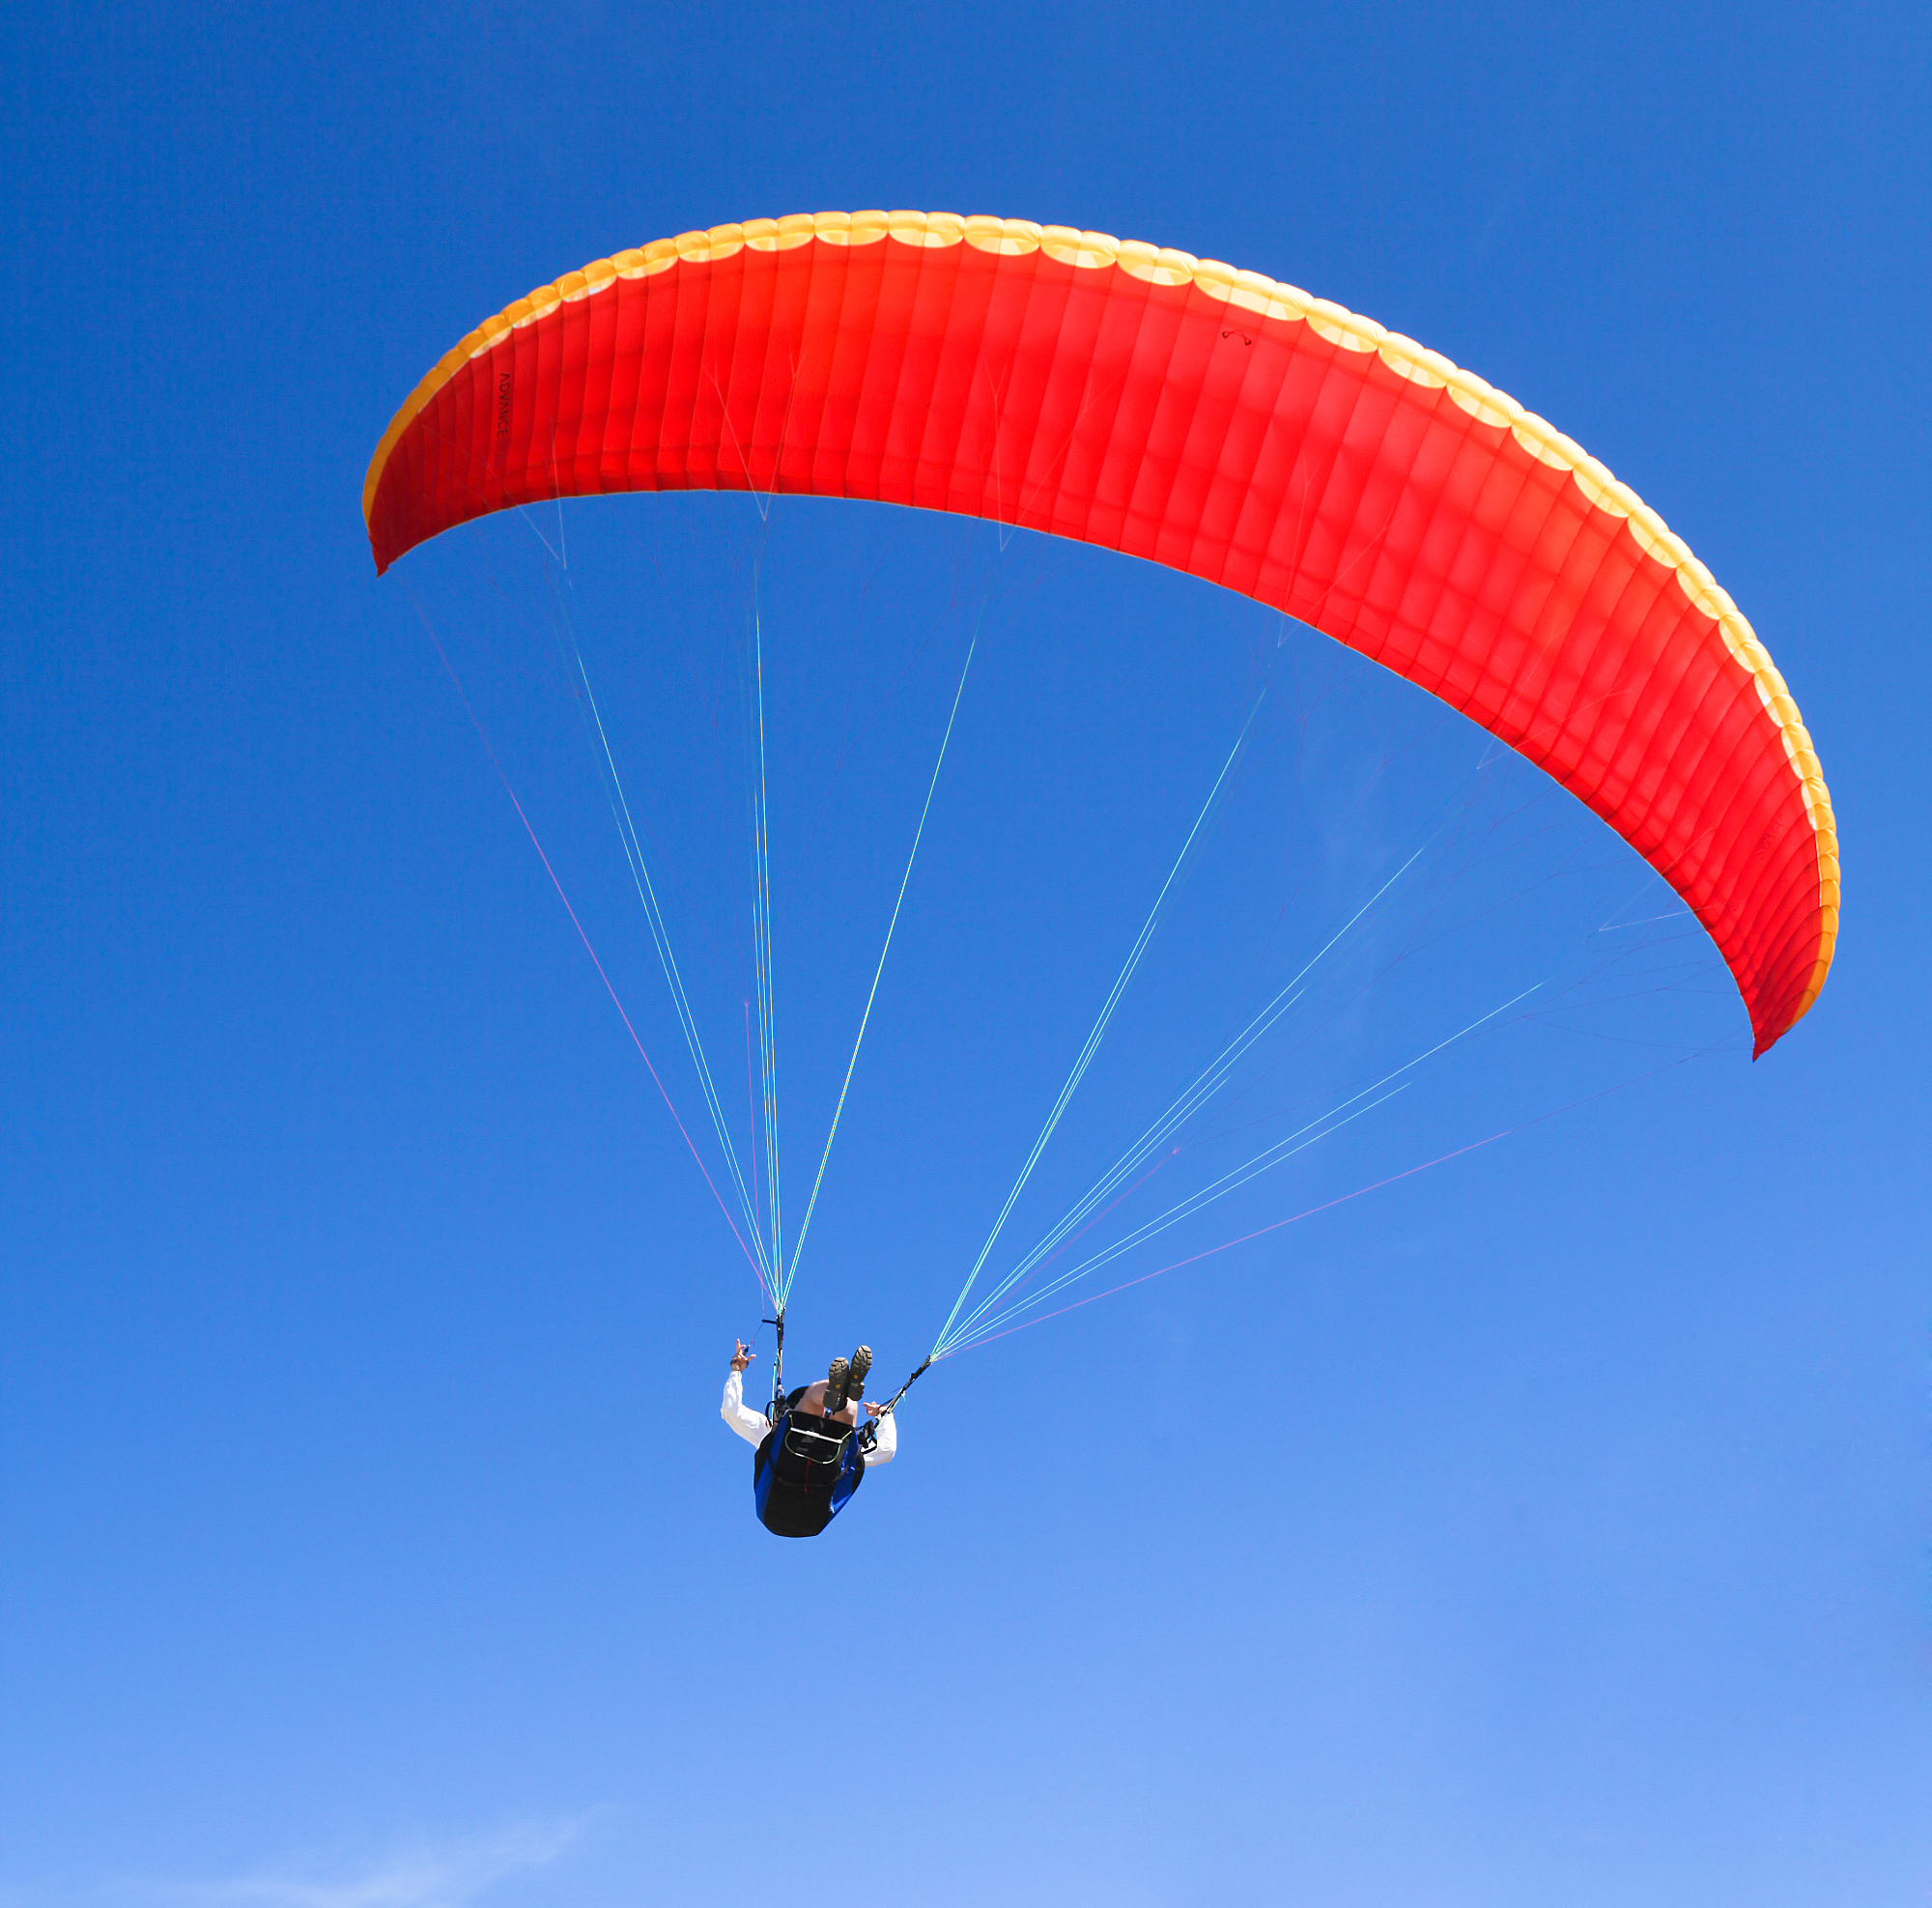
836	1395
847	1380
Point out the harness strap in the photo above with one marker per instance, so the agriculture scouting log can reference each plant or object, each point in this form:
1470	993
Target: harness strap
777	1367
887	1412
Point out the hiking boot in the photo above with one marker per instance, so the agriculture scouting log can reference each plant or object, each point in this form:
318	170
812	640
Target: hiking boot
861	1363
836	1382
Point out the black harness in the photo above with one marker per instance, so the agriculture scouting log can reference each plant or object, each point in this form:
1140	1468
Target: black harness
807	1469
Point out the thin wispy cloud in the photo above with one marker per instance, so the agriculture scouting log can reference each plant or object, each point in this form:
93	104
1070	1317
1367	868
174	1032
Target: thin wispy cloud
446	1874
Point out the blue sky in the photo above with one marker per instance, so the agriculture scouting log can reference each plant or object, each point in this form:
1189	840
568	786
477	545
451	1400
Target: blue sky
1548	1526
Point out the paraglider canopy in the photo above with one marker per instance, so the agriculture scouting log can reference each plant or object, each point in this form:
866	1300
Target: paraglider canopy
1211	420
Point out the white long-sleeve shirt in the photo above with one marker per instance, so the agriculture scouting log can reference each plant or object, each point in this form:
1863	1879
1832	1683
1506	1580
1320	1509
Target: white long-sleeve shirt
751	1425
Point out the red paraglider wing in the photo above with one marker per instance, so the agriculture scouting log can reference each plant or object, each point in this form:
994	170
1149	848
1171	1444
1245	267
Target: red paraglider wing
1202	417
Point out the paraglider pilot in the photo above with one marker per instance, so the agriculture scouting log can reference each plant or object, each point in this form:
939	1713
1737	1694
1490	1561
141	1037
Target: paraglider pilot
816	1453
